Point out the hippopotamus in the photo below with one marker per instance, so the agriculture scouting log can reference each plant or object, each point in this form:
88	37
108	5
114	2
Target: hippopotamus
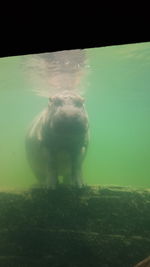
57	141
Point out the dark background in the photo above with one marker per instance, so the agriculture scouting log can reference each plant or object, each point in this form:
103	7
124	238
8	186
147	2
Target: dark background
27	29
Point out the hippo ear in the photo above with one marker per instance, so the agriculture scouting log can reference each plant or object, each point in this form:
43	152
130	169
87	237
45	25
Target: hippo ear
50	100
82	99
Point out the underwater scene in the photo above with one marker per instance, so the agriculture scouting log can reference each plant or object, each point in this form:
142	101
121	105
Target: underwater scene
75	158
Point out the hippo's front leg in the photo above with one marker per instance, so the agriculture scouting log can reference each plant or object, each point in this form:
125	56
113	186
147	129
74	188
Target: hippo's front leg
76	171
52	174
51	179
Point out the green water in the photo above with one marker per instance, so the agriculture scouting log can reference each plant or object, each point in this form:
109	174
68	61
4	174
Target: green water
118	104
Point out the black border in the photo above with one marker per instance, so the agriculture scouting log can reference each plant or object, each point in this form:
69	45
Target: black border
31	32
36	46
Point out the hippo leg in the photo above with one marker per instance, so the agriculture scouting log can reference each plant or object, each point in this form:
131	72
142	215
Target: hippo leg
76	173
66	179
51	180
39	175
52	175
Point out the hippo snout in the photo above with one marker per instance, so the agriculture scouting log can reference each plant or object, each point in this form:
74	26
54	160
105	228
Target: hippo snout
69	120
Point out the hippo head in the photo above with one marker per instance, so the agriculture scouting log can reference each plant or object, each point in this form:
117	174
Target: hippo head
68	113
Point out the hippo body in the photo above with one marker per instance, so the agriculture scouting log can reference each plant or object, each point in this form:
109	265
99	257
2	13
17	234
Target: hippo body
57	141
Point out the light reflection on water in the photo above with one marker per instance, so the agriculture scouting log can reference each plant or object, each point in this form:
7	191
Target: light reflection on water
51	73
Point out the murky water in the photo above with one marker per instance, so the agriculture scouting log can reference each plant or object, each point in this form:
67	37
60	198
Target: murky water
115	83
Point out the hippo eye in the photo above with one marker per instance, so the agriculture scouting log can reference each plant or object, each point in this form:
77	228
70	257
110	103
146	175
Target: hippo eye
58	101
78	102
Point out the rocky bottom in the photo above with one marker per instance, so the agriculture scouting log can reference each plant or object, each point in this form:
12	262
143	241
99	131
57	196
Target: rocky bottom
69	227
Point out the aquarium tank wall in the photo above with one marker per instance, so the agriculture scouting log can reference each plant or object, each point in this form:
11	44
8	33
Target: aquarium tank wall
104	221
115	84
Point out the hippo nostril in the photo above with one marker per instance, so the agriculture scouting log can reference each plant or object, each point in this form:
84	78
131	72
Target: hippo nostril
70	122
